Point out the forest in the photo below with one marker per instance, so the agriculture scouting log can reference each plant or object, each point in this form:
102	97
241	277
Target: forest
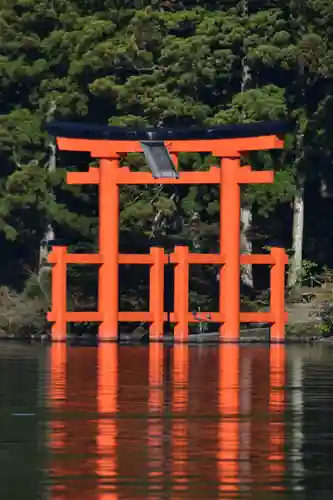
160	63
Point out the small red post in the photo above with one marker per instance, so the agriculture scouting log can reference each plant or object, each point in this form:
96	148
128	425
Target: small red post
108	300
277	277
230	247
181	293
59	294
156	294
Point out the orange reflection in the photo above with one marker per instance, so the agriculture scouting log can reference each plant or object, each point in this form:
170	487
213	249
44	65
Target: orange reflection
245	410
179	423
155	423
73	388
81	423
260	416
277	408
132	426
57	400
228	435
107	425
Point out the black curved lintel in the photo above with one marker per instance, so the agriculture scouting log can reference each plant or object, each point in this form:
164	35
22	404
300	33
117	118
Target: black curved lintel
93	131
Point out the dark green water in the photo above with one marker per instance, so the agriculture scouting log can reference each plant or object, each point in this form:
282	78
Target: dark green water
126	423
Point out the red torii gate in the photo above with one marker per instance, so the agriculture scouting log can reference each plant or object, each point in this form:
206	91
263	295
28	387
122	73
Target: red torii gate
109	176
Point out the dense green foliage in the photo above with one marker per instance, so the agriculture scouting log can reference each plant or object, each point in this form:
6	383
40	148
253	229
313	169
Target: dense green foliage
161	62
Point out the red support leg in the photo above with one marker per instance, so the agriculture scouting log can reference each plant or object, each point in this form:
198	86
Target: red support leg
277	295
230	247
59	294
181	293
156	294
108	300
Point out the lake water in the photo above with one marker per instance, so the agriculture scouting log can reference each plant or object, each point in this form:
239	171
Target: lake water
205	422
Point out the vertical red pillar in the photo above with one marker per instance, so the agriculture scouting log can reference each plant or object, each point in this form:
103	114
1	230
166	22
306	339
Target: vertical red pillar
59	294
156	294
277	276
108	299
230	248
181	293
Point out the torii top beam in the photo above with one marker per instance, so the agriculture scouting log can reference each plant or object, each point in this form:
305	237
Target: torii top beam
222	140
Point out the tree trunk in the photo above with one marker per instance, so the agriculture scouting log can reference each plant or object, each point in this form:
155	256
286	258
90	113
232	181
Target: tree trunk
298	203
51	166
44	267
246	211
297	243
246	245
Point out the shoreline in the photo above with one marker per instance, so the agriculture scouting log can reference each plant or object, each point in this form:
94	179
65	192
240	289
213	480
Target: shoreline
247	336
